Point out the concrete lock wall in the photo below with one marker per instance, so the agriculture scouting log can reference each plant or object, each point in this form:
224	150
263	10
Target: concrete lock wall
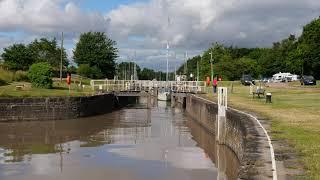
55	108
241	134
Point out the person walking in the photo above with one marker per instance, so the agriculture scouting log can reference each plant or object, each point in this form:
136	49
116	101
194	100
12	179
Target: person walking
215	84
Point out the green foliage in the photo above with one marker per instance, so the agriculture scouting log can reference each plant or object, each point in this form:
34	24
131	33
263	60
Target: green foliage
84	70
2	82
21	57
126	69
6	75
91	72
298	56
20	76
149	74
17	57
308	49
98	51
45	50
72	70
40	75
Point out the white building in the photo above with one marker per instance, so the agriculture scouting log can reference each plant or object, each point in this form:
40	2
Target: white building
285	77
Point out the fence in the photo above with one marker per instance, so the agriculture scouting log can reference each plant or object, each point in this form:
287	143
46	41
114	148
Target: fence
140	85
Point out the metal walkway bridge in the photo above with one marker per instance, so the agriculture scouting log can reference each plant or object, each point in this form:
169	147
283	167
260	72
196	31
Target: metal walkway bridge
140	85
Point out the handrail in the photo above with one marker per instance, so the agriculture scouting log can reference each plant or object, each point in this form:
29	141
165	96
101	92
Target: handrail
145	85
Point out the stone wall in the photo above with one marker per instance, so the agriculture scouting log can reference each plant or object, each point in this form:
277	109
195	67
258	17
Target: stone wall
243	136
55	108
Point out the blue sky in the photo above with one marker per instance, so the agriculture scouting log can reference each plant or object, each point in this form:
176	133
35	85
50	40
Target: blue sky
140	26
104	5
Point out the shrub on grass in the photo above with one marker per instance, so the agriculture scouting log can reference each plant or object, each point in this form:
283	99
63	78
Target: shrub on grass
2	82
6	75
40	75
20	76
84	70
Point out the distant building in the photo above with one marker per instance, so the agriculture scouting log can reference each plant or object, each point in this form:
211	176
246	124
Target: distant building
284	77
181	78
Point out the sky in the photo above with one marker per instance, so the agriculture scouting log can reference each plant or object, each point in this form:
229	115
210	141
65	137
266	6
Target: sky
141	28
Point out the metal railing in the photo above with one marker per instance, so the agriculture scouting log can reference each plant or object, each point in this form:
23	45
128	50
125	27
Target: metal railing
141	85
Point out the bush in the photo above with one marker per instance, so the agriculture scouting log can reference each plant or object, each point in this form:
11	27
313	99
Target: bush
21	76
6	75
40	75
2	82
89	72
84	70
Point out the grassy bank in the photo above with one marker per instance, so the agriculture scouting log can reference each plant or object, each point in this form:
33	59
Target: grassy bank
294	115
59	89
10	86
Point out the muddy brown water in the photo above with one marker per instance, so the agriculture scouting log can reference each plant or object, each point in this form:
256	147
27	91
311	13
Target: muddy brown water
161	143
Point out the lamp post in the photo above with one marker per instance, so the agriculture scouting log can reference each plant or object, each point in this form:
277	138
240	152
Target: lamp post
61	58
211	64
198	73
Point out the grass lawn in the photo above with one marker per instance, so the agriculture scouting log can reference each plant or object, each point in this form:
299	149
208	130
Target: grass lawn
294	115
59	89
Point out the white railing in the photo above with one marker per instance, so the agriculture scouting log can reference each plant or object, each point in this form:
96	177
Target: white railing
141	85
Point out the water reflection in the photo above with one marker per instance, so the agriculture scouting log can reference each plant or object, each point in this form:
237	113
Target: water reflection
159	143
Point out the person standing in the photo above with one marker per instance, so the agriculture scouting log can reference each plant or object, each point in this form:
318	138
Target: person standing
215	84
69	80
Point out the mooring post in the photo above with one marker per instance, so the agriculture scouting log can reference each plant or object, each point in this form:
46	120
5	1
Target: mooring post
173	101
221	117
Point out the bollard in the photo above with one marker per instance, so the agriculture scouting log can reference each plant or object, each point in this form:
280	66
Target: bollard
268	98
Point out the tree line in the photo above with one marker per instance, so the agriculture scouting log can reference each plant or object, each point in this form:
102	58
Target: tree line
125	70
298	55
95	56
21	56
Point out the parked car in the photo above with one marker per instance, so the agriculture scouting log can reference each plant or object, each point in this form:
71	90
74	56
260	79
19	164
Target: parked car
247	80
308	80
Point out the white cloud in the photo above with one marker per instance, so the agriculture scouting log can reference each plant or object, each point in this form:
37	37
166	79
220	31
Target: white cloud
197	24
143	27
45	16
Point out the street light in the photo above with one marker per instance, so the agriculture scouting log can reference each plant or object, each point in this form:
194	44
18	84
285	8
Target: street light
198	73
61	58
211	63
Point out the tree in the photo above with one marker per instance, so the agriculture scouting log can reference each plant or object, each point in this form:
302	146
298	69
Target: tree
96	50
308	49
84	70
126	69
149	74
40	75
45	50
90	72
72	69
18	57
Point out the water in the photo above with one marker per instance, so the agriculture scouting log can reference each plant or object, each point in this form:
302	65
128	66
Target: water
136	144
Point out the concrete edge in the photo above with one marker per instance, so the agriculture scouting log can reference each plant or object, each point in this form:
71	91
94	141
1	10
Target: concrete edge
264	131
